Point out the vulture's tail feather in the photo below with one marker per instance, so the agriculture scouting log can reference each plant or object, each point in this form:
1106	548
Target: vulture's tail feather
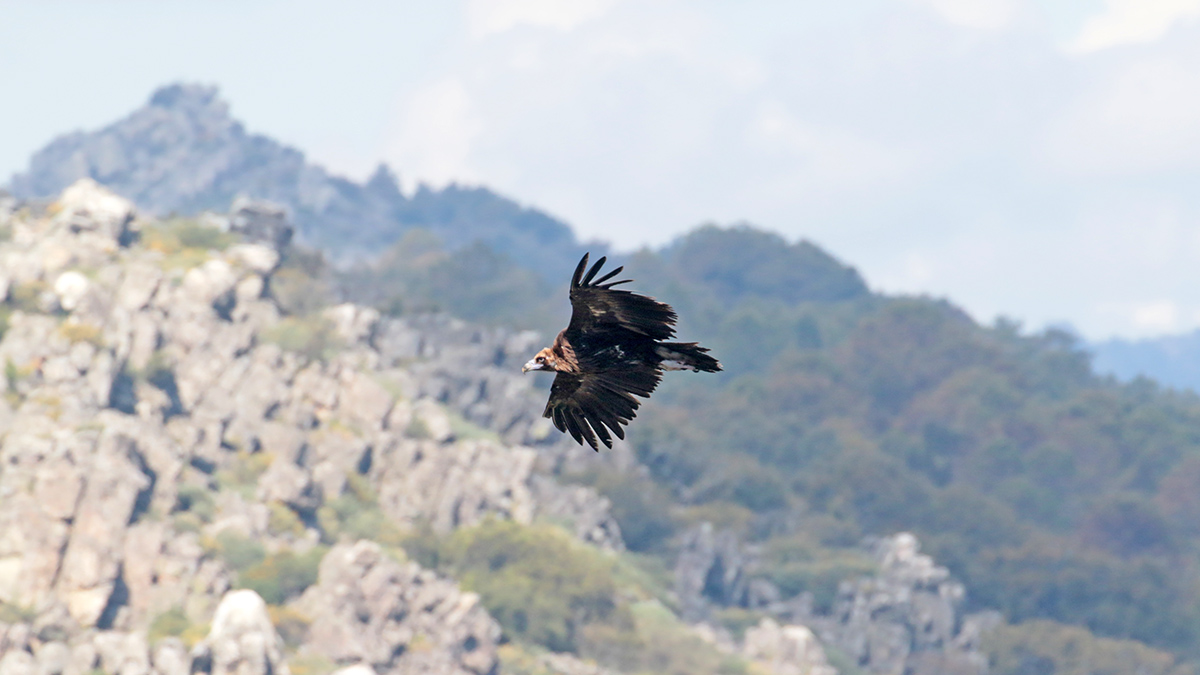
687	356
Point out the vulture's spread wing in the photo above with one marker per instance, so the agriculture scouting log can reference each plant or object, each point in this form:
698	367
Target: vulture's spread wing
598	309
600	400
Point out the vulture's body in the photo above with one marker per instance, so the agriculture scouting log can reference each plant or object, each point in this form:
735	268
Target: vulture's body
613	350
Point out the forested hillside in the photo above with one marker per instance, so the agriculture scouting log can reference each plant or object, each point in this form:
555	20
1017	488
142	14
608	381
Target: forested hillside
1051	492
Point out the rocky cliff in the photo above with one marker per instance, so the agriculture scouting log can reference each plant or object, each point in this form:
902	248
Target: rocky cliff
184	153
906	619
151	422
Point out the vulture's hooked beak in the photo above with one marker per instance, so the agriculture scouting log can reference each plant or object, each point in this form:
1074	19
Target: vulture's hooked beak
532	364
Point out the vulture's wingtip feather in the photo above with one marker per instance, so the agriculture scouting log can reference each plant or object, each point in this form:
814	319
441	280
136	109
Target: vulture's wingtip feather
608	276
595	268
579	270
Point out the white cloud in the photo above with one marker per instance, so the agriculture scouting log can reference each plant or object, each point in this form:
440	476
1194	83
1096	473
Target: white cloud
1161	316
438	128
1142	116
817	158
489	17
1132	21
983	14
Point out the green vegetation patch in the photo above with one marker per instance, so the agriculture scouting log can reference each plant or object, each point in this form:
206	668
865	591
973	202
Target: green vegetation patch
549	591
464	429
641	507
78	331
281	576
27	297
277	576
658	642
243	473
237	550
12	380
519	659
797	565
194	507
13	613
355	514
313	337
418	274
181	235
171	623
1049	647
541	585
301	286
309	663
283	520
292	625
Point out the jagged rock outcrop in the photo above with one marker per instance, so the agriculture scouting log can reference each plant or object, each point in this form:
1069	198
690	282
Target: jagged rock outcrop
715	568
182	152
906	619
785	650
419	480
242	640
587	512
471	369
148	410
396	617
261	221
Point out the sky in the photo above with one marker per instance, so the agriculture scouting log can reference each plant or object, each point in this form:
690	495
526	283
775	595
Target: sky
1033	159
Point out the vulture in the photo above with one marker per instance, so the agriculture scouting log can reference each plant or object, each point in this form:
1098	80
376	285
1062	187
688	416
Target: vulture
613	349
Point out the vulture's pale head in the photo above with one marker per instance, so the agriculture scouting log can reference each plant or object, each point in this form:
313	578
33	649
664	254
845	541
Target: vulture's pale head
544	360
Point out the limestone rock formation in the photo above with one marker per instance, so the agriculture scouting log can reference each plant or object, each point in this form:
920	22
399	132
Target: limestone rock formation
714	567
242	641
259	220
396	617
148	414
907	619
786	650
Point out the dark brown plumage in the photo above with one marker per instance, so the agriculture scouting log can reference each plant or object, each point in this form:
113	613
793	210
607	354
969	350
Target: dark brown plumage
613	350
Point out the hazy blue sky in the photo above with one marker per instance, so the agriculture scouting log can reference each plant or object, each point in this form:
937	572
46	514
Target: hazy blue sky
1033	158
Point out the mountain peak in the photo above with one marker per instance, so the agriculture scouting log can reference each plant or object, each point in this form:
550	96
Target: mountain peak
185	97
182	152
385	183
168	155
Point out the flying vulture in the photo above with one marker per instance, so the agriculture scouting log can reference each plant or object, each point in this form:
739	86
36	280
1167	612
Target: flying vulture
613	349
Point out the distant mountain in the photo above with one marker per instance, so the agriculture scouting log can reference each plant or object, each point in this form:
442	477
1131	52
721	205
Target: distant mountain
182	152
1172	360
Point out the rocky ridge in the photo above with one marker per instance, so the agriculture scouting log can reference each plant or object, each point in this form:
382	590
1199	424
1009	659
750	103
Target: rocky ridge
182	152
906	619
139	380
